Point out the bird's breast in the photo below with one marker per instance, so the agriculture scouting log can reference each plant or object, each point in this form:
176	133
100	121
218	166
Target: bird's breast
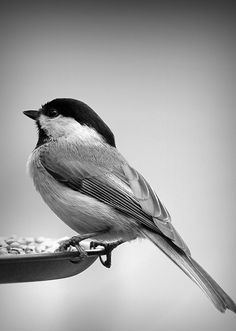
81	212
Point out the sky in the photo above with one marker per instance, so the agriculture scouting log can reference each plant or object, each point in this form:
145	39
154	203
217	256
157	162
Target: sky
162	76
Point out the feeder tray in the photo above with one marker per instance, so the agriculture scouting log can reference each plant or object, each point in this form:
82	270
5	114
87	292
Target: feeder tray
45	266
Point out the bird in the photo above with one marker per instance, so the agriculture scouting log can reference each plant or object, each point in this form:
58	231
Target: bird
84	179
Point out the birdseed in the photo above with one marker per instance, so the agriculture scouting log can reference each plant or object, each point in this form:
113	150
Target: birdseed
14	245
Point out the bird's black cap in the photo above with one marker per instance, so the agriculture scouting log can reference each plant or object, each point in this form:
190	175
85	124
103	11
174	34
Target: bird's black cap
76	109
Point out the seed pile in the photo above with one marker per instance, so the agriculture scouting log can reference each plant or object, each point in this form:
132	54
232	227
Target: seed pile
29	245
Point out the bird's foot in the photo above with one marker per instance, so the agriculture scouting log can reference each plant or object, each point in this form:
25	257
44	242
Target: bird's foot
108	249
75	242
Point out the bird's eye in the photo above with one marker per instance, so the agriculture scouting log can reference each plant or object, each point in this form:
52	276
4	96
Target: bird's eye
52	113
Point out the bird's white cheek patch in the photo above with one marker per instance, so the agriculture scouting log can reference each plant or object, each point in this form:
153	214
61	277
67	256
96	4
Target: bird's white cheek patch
66	127
59	126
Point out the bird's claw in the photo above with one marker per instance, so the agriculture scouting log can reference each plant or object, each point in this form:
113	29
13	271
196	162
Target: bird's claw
108	248
72	242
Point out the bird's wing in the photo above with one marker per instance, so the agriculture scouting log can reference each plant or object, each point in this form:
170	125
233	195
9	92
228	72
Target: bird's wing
123	188
151	205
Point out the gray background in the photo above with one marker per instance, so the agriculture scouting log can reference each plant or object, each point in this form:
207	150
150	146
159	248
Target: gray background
163	78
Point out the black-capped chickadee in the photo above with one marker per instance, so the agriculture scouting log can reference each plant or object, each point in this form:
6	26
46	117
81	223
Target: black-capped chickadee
92	188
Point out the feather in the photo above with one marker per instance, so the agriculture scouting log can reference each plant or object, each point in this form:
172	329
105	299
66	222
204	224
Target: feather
151	204
120	186
194	271
89	185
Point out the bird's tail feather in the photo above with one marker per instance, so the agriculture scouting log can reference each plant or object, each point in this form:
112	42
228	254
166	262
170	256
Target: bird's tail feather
193	270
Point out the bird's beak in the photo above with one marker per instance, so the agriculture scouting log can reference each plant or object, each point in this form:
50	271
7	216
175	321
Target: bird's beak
31	114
